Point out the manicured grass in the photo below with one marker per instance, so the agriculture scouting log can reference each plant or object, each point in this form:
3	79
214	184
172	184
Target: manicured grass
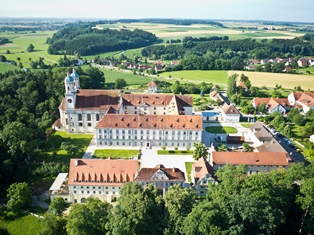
54	143
246	124
115	153
287	81
26	225
174	152
188	167
4	67
112	75
211	76
221	129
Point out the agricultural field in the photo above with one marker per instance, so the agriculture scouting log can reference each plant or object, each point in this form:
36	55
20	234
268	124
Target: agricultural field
287	81
168	31
210	76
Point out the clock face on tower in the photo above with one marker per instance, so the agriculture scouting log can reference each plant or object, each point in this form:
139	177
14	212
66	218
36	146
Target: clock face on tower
70	101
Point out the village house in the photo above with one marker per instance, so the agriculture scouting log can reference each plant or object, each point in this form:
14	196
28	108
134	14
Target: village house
281	105
302	100
302	62
99	178
161	177
202	175
152	87
229	113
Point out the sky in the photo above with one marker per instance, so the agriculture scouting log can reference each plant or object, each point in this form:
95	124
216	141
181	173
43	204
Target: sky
272	10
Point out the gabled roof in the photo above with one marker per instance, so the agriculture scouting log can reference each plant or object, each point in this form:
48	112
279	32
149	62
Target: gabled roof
156	99
99	172
173	174
57	123
152	83
251	158
201	168
90	99
229	109
260	132
271	103
241	84
307	99
161	122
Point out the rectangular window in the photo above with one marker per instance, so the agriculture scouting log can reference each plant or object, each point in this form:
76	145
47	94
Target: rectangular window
82	192
80	117
135	108
89	117
99	192
97	117
135	112
80	124
89	124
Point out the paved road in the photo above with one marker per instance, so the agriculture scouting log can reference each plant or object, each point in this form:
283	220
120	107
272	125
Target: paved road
91	148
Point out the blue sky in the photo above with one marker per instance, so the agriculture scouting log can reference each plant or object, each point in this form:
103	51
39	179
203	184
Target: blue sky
273	10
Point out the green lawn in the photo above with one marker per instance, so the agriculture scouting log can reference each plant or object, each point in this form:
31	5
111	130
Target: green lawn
112	75
188	167
174	152
221	129
26	225
54	143
246	124
210	76
115	153
4	67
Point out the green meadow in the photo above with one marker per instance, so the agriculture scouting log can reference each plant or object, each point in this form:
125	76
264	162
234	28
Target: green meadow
4	67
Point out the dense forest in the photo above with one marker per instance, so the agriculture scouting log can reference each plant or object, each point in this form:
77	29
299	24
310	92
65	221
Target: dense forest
28	106
83	39
221	53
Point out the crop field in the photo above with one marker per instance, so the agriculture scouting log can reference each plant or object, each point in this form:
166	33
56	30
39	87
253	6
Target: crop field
168	31
287	81
210	76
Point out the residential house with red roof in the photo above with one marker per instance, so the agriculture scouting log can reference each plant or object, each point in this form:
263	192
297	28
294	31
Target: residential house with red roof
152	87
281	105
202	175
302	100
161	177
99	178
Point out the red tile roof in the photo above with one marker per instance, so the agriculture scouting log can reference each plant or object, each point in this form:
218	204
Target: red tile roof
271	102
95	100
152	83
251	158
174	174
162	122
241	84
100	172
307	99
155	99
201	168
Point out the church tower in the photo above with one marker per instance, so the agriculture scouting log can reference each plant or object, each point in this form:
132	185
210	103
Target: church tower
70	91
76	78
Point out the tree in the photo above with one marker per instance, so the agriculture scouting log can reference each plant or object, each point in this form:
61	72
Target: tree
120	83
30	48
58	205
287	131
19	197
236	99
276	94
262	108
179	203
139	211
200	151
247	147
298	119
232	86
3	58
176	87
88	218
53	225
